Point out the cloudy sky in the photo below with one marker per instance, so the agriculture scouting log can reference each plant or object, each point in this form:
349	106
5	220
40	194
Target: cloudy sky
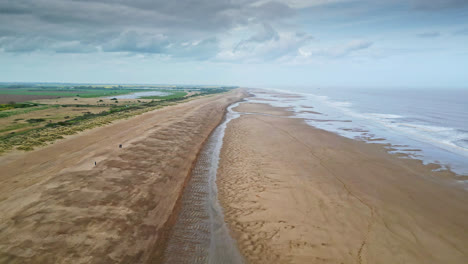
410	43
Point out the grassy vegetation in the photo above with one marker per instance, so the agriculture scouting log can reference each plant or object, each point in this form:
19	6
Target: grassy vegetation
35	120
14	105
91	91
24	110
14	127
69	92
51	131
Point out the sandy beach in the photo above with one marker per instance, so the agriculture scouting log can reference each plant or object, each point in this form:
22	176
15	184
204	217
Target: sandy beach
290	193
59	207
295	194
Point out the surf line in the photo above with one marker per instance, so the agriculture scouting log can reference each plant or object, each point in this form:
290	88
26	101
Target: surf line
200	234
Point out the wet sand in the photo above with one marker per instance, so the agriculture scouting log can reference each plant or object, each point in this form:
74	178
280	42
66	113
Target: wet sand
262	109
57	207
200	234
295	194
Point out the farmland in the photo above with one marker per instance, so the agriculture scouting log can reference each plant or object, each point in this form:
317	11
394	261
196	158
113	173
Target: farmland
22	94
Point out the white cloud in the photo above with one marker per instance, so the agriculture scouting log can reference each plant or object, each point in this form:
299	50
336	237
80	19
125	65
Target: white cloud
133	41
338	51
265	44
304	3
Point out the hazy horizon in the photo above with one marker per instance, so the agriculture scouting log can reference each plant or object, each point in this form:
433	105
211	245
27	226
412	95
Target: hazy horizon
285	88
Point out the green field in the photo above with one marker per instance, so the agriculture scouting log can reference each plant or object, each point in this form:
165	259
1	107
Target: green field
19	111
70	92
14	106
93	91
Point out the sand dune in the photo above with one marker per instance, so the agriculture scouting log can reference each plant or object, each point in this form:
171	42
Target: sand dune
57	207
295	194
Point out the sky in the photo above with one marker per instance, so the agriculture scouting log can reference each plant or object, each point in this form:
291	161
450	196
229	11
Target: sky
256	43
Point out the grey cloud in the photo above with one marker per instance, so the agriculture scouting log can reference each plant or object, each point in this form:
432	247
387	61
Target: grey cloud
131	41
30	44
267	45
199	15
265	32
461	32
341	51
128	25
274	10
73	47
358	45
13	44
431	34
438	4
135	42
350	48
200	50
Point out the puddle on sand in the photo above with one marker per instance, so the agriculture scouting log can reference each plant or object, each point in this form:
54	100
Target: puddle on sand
200	234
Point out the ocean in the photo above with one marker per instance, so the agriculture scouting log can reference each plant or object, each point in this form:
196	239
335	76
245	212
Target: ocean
426	124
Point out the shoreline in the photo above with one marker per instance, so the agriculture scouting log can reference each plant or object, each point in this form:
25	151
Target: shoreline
295	193
59	207
371	126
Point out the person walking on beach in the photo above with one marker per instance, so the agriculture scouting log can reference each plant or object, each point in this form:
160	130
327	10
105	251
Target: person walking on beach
95	163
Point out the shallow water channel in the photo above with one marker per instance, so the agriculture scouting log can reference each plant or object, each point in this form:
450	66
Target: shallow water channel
138	95
200	234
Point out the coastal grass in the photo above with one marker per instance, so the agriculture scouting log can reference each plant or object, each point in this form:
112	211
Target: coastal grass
70	92
52	131
41	136
15	126
18	111
41	116
13	105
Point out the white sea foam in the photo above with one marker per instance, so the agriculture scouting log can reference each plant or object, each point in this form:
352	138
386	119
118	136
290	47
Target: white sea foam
437	144
385	116
341	104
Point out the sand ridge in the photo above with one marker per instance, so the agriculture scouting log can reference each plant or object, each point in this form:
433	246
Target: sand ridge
295	194
57	207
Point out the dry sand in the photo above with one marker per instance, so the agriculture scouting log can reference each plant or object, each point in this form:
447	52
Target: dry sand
57	207
295	194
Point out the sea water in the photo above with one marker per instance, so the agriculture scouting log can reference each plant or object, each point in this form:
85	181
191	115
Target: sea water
427	124
138	95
